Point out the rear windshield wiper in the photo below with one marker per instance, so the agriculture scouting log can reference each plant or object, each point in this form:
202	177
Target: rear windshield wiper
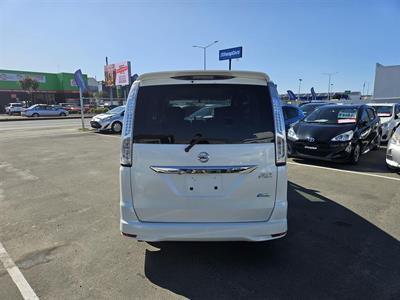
195	140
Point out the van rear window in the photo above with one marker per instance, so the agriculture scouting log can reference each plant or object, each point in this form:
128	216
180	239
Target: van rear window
218	113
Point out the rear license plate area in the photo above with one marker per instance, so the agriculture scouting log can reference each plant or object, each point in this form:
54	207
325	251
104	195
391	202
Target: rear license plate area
204	185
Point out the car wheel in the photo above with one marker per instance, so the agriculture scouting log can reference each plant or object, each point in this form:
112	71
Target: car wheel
35	115
377	143
116	127
62	115
355	157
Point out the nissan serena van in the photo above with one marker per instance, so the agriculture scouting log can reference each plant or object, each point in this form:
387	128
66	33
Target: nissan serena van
203	158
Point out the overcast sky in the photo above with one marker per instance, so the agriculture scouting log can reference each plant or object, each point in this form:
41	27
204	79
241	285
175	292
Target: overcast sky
286	39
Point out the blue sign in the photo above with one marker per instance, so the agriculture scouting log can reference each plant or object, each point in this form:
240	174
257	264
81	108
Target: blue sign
230	53
79	80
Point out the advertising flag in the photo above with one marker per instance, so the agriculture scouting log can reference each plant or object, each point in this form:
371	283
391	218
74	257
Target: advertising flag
291	95
80	81
313	94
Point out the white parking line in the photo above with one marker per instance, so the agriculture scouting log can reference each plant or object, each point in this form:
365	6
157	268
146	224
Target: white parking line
344	171
16	275
109	135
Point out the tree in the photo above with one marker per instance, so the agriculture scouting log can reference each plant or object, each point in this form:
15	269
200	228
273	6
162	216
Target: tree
29	85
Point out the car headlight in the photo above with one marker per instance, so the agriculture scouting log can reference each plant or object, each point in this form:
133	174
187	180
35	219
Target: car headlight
343	137
395	140
292	135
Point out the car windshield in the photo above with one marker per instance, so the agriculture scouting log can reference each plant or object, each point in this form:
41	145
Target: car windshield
384	111
333	115
33	106
116	110
309	108
216	114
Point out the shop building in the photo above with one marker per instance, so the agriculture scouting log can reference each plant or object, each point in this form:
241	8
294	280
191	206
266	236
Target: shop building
53	88
387	83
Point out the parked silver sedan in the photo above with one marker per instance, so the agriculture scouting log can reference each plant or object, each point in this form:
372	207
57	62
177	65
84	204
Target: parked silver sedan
393	151
44	110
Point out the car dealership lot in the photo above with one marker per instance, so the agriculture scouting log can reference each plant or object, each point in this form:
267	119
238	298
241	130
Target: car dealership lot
59	223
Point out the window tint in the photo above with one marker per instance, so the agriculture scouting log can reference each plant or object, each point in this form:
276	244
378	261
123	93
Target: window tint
220	113
331	114
384	111
309	108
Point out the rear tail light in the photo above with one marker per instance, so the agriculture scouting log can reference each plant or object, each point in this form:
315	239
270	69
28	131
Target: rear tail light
126	143
280	133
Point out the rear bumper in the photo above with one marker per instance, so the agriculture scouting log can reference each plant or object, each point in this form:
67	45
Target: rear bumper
275	227
249	231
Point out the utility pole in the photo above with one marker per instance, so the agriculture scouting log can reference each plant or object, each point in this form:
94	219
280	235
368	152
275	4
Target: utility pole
205	52
298	95
329	82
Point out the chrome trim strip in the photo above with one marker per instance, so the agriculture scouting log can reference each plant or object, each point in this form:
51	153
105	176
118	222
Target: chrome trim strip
204	170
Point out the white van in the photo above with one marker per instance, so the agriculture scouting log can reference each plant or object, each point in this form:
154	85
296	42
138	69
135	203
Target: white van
217	176
389	114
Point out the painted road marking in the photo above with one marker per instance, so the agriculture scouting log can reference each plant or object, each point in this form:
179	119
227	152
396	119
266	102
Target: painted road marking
16	275
345	171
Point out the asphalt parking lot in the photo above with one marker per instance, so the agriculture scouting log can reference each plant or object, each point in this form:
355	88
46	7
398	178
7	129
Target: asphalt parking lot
59	223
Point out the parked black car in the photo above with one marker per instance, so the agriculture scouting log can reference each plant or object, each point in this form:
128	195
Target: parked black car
336	133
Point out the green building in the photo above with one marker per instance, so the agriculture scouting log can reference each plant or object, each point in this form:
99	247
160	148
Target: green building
53	88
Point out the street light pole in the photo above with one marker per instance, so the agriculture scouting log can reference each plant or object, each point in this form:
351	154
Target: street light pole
205	52
329	82
205	57
298	97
